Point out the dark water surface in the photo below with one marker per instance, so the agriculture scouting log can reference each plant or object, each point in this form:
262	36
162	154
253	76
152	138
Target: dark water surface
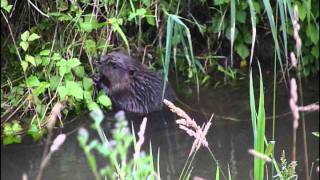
228	139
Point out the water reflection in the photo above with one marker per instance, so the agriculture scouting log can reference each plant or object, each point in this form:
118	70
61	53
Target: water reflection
228	139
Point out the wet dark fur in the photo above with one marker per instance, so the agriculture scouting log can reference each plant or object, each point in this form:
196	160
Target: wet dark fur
130	84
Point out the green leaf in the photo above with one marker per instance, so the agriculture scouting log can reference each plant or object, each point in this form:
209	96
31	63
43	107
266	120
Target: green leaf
5	5
242	50
56	57
257	7
33	81
115	24
30	59
54	82
7	8
228	32
34	132
16	127
92	106
24	45
302	11
74	89
25	36
87	96
141	12
241	16
79	71
87	83
63	91
90	46
315	51
313	33
220	2
74	62
104	100
151	20
44	52
11	139
62	64
33	37
24	65
146	2
41	88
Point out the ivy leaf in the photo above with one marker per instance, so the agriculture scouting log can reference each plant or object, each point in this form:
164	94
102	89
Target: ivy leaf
62	64
90	46
150	18
92	106
87	95
33	81
104	99
79	71
24	45
34	132
302	11
87	83
315	51
16	127
141	12
71	63
41	88
63	91
33	37
75	88
24	65
56	57
313	33
54	82
220	2
241	16
242	50
5	5
30	59
44	52
25	36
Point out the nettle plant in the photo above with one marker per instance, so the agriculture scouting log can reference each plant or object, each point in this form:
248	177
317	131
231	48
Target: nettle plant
49	78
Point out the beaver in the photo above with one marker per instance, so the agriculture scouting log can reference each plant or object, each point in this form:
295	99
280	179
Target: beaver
130	85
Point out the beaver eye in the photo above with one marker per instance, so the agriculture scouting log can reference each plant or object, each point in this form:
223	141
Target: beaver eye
131	72
112	64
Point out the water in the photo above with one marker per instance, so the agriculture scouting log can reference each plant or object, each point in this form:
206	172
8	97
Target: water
228	139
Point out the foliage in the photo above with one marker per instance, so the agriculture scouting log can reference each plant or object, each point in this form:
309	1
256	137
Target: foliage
287	170
11	132
115	151
50	56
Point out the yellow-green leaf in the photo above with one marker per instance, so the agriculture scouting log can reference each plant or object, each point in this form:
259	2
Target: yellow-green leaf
25	36
30	59
24	65
24	45
33	37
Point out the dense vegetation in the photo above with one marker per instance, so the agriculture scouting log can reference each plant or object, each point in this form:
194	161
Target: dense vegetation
49	48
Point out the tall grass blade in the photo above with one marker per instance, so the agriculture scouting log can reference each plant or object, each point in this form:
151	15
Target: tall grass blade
217	173
233	27
258	124
253	109
254	29
283	18
170	25
259	171
274	34
174	22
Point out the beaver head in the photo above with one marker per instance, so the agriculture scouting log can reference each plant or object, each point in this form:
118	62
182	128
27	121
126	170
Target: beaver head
130	85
